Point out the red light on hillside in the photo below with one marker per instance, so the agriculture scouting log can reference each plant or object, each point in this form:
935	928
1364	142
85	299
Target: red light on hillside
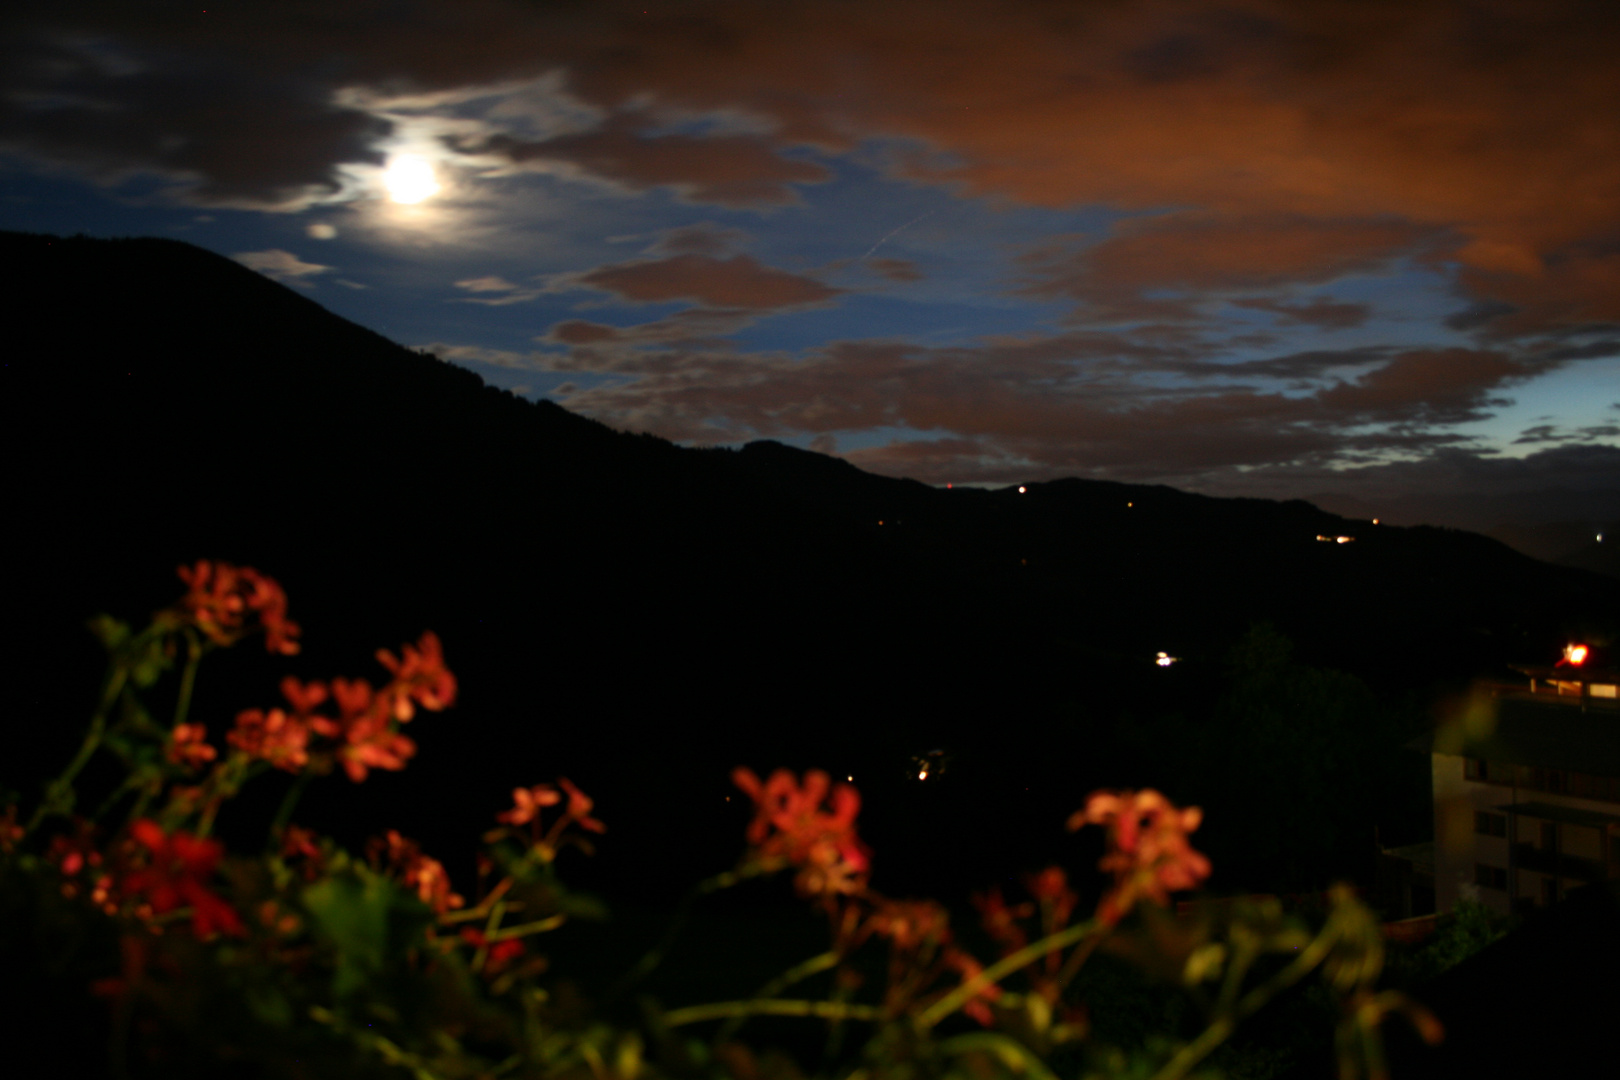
1576	654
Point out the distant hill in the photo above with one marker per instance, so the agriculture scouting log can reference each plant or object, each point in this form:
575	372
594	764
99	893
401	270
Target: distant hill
640	616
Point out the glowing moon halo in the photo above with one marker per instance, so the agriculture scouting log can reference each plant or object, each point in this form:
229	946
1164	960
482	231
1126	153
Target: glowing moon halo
409	179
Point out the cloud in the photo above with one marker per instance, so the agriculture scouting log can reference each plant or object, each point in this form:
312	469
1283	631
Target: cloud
894	269
1202	256
505	292
703	238
1321	312
320	230
281	265
740	281
1540	433
1455	486
694	328
1249	154
723	170
1077	403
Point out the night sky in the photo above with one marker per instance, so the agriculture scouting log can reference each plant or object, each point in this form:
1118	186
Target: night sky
1285	249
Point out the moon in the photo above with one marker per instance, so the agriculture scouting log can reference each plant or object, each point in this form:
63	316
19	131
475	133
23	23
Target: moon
409	178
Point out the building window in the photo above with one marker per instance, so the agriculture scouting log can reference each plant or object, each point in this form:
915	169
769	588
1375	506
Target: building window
1490	877
1549	891
1473	769
1489	824
1558	781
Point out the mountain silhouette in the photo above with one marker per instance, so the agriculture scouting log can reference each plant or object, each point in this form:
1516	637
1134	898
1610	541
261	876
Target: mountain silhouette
639	616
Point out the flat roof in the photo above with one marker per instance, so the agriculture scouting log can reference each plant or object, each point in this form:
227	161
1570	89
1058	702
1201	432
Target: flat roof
1421	856
1570	815
1538	734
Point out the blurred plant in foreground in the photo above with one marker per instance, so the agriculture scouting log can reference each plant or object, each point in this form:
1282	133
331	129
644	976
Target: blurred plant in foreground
309	961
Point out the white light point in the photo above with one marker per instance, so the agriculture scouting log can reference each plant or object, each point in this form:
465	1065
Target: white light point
410	179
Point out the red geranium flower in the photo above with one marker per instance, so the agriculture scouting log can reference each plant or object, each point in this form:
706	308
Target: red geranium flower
526	804
789	824
175	876
419	676
272	736
1148	853
221	596
188	746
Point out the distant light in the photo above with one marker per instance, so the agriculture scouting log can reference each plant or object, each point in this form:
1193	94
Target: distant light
1335	539
409	178
1345	539
1129	505
949	486
851	779
1576	654
1375	521
880	523
923	775
1165	659
1600	538
1020	489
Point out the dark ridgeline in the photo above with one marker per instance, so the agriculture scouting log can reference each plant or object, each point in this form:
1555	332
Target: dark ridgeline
642	617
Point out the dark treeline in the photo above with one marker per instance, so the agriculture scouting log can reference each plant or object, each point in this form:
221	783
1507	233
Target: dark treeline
642	617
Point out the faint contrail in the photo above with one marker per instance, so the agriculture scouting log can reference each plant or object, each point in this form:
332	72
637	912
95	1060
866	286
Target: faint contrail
901	229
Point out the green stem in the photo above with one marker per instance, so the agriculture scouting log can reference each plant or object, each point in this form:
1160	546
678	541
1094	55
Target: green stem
1222	1026
1004	967
830	1010
655	956
62	786
1013	1053
188	678
539	926
813	966
1071	966
284	813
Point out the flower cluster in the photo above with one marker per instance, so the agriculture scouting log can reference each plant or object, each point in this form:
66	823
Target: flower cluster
403	860
365	731
1148	852
177	869
151	874
220	597
790	826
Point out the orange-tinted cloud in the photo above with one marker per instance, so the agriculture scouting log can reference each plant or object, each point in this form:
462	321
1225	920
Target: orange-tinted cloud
1048	407
1327	314
740	281
1202	257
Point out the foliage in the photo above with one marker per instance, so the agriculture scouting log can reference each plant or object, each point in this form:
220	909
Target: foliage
1458	935
1288	734
309	960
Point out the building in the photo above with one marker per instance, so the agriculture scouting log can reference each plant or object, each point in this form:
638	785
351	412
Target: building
1526	791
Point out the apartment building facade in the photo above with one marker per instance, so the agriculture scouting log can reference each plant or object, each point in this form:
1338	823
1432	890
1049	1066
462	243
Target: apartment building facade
1527	789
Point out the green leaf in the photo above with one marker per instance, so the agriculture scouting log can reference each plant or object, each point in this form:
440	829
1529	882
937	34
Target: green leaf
351	913
149	664
109	631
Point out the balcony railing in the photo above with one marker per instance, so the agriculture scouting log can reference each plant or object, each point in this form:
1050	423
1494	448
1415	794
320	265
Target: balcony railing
1542	861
